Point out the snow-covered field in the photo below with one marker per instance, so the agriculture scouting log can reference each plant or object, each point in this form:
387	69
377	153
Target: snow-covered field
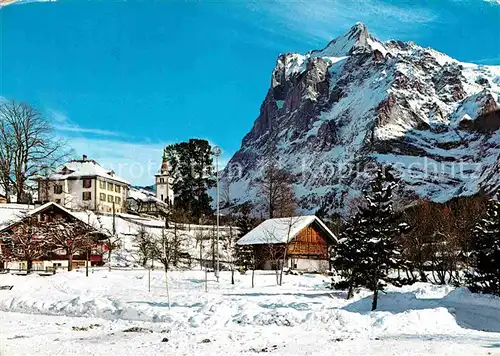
71	314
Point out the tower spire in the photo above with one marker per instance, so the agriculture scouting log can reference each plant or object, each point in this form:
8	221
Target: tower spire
163	182
164	165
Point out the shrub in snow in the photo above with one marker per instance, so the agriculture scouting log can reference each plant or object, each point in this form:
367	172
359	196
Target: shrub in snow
137	329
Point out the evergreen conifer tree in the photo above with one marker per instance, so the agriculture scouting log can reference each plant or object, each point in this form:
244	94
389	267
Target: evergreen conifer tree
191	167
370	247
485	252
381	228
347	258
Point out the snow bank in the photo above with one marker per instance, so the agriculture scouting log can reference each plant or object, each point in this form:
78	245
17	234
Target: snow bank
301	302
465	296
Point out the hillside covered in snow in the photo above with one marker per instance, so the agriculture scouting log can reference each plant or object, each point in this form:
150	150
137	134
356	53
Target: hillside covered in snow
330	114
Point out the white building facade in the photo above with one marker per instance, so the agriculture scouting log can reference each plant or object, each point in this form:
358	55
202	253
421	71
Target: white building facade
85	185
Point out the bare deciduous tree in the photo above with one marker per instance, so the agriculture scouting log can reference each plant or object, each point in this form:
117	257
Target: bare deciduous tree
275	254
278	239
275	189
27	147
200	237
112	242
111	238
7	147
142	242
5	256
441	238
291	222
28	243
229	242
72	237
163	249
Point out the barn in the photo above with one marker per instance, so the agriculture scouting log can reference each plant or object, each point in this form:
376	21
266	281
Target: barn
303	241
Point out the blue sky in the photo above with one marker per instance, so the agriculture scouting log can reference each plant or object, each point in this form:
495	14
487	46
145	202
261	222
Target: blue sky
122	79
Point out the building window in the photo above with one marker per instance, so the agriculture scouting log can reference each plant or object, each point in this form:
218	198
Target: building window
102	197
86	196
162	180
118	200
57	189
87	183
110	198
162	198
110	186
118	189
58	201
102	184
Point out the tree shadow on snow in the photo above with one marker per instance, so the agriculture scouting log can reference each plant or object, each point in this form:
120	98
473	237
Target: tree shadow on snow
200	281
467	315
441	338
393	302
165	304
493	346
334	294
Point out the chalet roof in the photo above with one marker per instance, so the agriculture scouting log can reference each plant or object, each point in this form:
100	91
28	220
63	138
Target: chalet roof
11	214
144	196
84	168
282	230
48	205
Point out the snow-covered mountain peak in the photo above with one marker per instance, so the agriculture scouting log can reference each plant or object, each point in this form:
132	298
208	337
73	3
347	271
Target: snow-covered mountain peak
360	101
357	39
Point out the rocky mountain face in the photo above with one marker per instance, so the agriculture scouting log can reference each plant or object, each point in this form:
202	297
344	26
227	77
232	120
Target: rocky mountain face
330	115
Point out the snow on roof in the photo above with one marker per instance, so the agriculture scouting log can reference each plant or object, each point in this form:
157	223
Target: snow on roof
46	205
85	168
144	196
281	230
12	213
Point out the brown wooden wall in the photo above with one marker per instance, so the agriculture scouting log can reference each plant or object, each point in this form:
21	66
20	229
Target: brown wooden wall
309	243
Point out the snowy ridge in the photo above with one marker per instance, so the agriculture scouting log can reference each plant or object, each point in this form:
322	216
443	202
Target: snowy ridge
361	101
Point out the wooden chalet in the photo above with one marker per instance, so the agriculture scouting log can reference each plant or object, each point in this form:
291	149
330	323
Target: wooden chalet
305	238
52	260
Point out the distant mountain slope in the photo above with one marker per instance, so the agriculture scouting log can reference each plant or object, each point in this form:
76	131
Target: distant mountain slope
150	188
331	113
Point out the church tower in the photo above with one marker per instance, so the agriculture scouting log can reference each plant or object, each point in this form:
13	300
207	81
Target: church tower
164	182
